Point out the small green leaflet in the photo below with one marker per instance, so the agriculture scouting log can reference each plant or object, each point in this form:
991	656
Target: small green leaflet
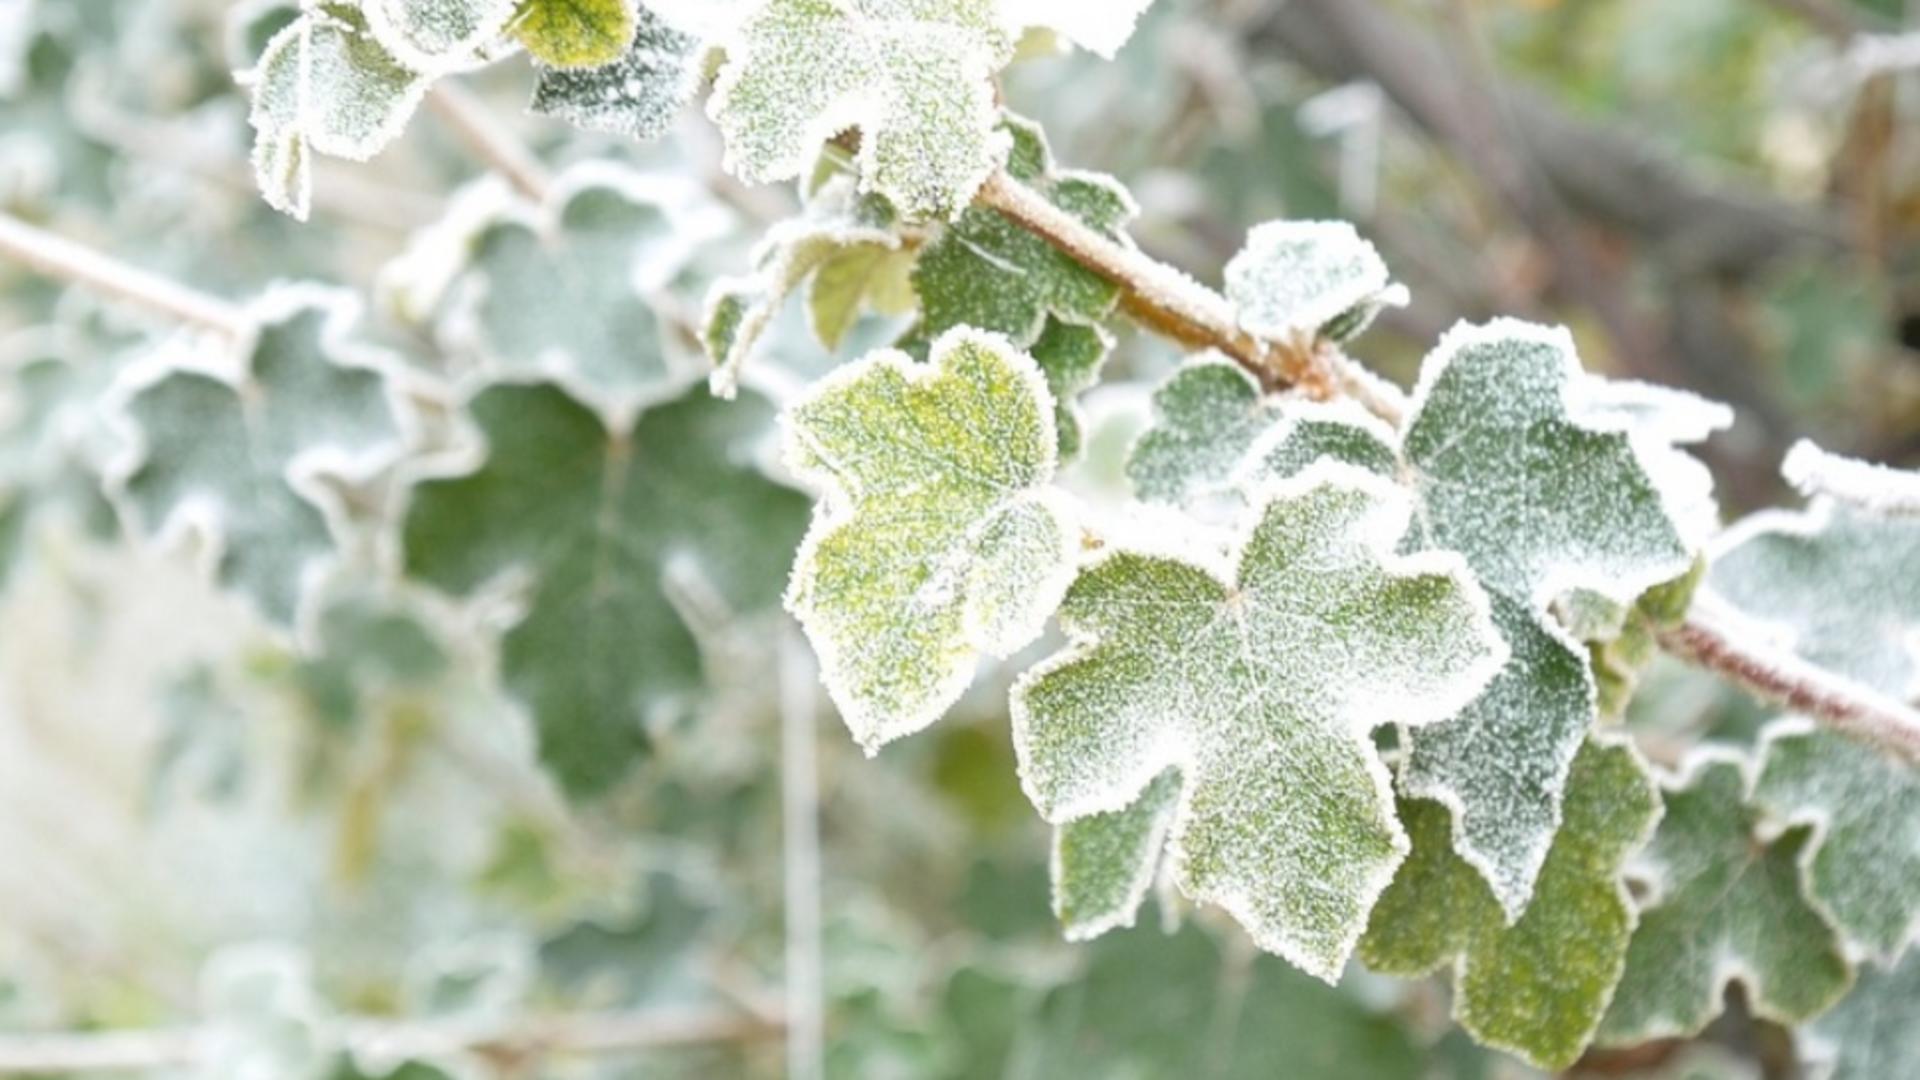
1723	907
1874	1033
1070	356
570	34
1205	417
604	651
916	76
639	95
938	537
1103	864
1540	986
436	36
250	460
324	85
1260	680
1863	863
1296	280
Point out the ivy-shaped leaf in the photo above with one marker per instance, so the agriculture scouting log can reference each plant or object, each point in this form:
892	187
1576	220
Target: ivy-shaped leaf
914	75
1103	864
1525	987
1863	863
251	460
1070	356
938	537
1260	680
1874	1032
1723	907
639	95
569	34
436	35
1099	26
1205	417
603	651
324	85
1301	279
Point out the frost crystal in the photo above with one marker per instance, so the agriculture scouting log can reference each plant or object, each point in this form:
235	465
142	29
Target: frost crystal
1301	278
938	537
1103	864
1205	416
1260	681
914	75
252	461
639	95
1861	484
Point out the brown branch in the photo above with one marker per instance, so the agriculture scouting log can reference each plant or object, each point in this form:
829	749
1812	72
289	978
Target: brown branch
481	134
57	257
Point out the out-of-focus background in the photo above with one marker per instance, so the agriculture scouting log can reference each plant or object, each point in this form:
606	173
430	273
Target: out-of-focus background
225	848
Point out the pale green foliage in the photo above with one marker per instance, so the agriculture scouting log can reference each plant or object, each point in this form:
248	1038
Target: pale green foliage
1070	356
325	85
1205	417
253	461
1723	907
1861	484
265	1018
938	537
1104	863
604	650
1260	680
576	33
638	95
914	75
1863	866
1099	26
436	35
1540	986
1874	1032
1300	279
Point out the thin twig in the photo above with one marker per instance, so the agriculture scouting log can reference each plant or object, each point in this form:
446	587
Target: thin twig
56	256
483	135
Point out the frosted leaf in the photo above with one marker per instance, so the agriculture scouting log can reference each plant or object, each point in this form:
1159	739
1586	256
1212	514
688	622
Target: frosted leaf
640	95
575	510
938	537
1874	1033
324	85
914	75
1521	987
1070	356
986	271
1298	279
1863	862
1862	484
1205	417
1103	864
709	20
263	1016
569	34
1723	906
1260	680
436	35
250	460
1099	26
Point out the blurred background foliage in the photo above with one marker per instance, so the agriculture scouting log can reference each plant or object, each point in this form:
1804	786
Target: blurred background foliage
202	825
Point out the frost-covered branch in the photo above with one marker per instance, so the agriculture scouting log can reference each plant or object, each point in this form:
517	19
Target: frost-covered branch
488	141
57	257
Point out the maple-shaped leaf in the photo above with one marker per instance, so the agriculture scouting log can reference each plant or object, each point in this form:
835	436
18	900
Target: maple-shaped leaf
916	76
1260	680
1863	863
1723	906
575	33
1874	1032
986	271
610	530
1521	987
1099	26
639	95
1103	864
436	35
1205	418
564	291
324	85
938	537
1298	280
251	460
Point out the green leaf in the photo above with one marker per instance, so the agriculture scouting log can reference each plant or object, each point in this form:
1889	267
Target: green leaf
1863	485
986	271
576	33
914	75
253	460
1874	1032
604	651
640	95
1724	906
1296	280
1205	417
1070	357
938	537
1260	680
1863	862
325	85
1103	864
1540	986
436	35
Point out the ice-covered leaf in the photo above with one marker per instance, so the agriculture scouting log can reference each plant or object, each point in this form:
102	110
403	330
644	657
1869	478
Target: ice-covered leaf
324	85
263	1016
251	460
1862	484
1099	26
639	95
1104	863
1874	1032
986	271
1723	906
1299	279
1070	356
1261	680
1863	865
938	537
1205	417
576	33
436	35
916	76
613	533
1522	987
